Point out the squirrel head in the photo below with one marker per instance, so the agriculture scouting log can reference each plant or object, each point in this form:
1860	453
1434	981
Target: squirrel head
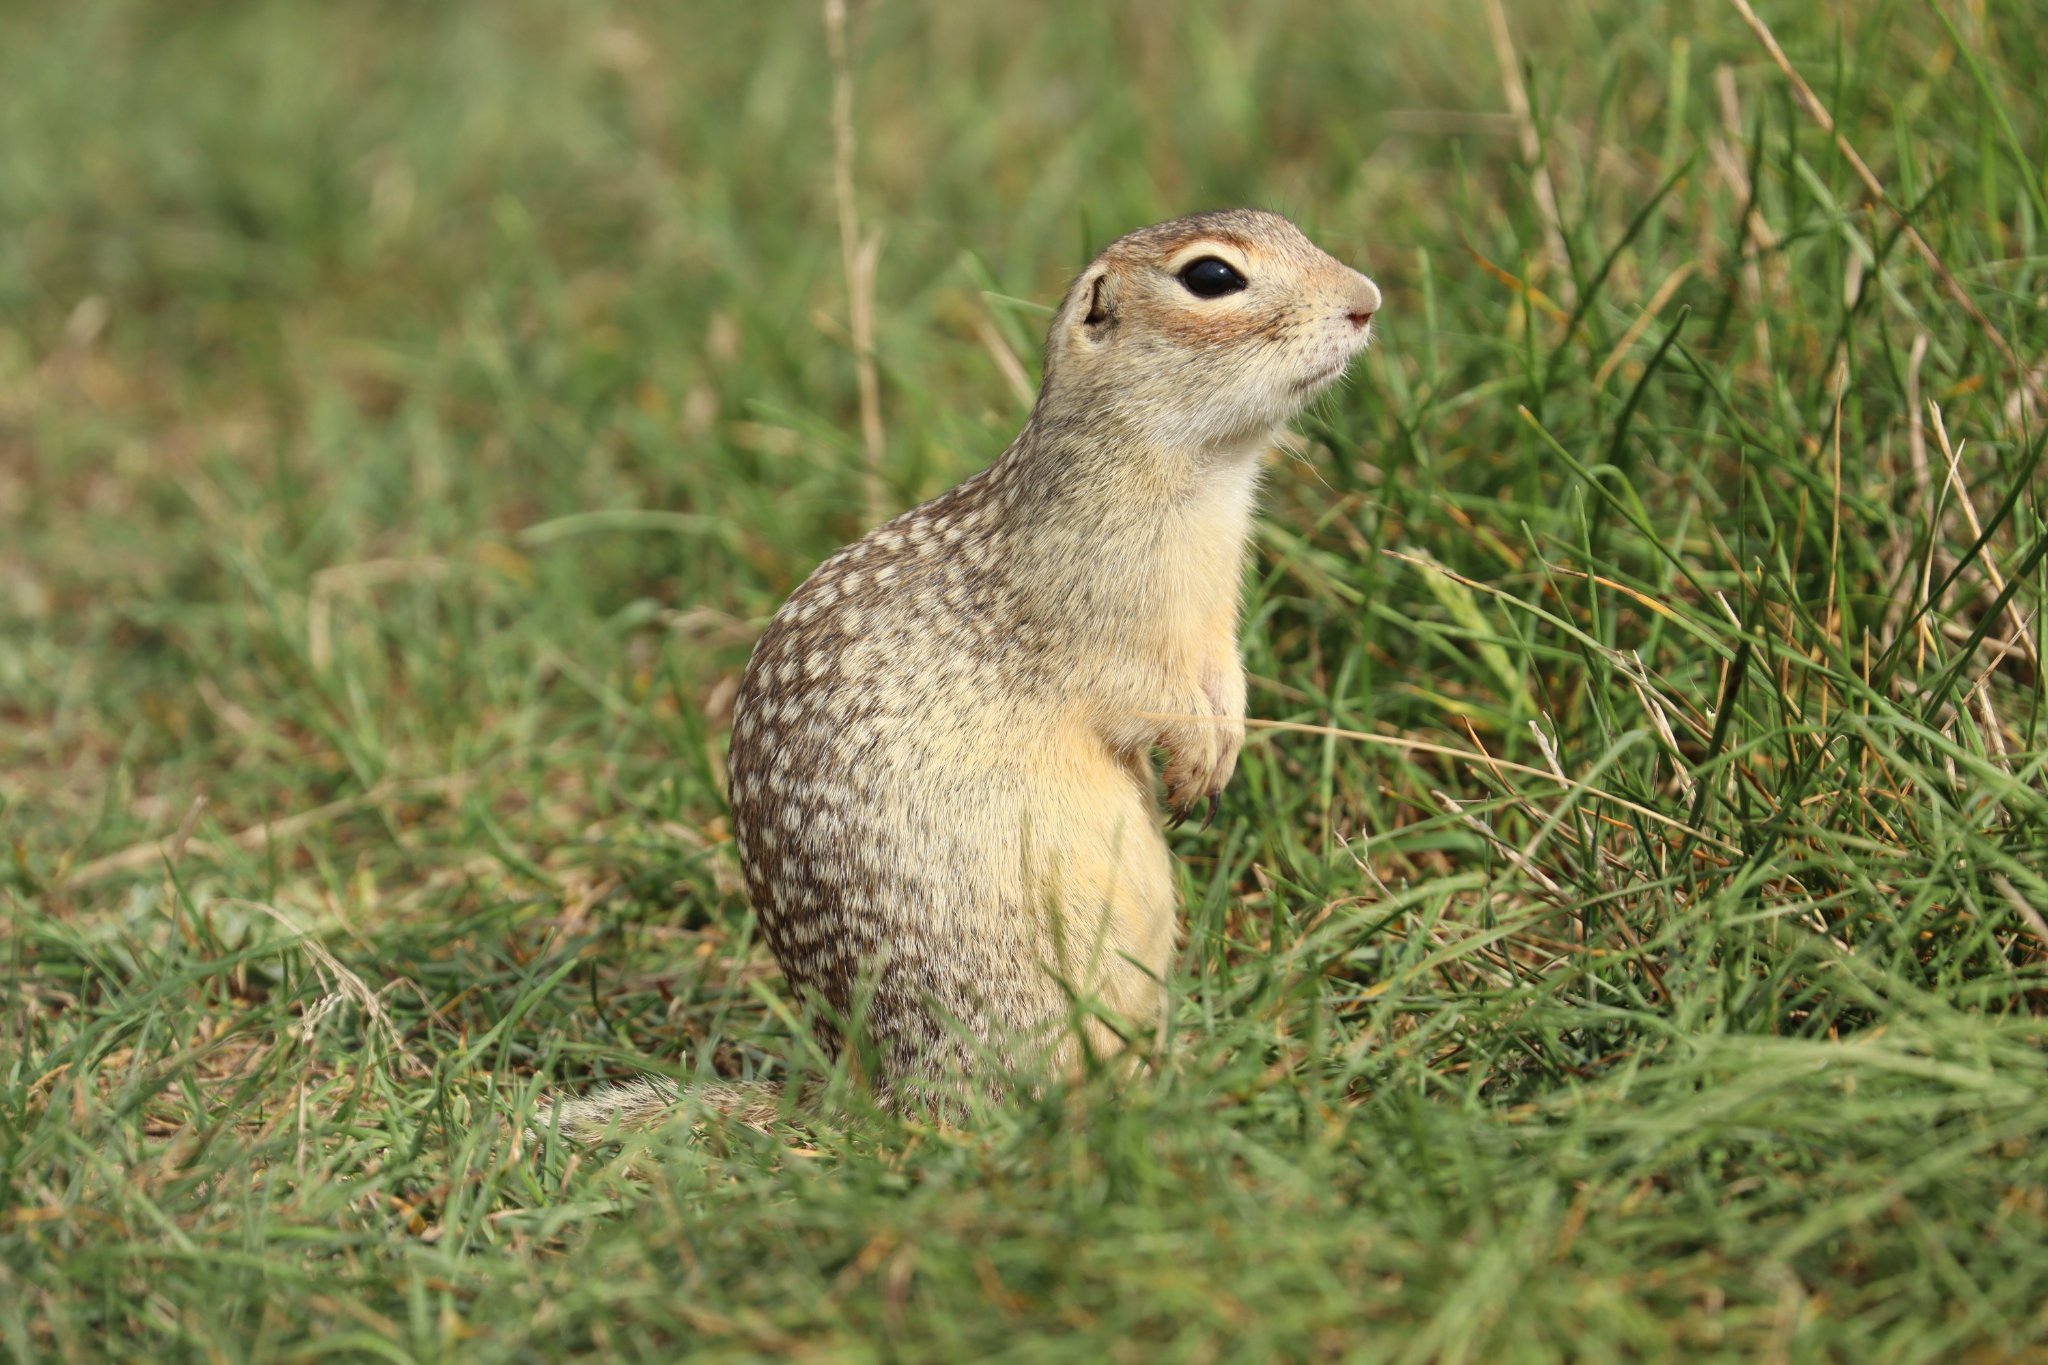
1207	333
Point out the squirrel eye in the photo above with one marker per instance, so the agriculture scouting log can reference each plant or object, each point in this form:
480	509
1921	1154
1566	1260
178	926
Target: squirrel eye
1210	278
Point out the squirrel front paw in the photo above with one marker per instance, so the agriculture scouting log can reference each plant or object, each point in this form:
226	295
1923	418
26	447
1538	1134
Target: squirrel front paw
1201	755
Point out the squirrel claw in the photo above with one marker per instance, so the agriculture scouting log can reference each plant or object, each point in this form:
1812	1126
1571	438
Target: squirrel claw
1178	815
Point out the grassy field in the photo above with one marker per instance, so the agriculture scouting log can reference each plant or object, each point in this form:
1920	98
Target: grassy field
1625	940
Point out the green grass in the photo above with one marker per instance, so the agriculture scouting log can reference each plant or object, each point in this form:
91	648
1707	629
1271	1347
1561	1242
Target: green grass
408	415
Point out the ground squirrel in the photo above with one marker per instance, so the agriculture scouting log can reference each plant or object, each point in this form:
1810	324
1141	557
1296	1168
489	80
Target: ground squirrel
942	785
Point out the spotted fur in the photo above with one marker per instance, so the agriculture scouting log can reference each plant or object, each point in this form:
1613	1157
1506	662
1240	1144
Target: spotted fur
941	771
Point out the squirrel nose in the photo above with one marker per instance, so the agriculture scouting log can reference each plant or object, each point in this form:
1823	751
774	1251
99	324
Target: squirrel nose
1364	302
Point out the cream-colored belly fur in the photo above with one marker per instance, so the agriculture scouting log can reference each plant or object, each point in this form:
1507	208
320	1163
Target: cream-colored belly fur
1055	884
1105	870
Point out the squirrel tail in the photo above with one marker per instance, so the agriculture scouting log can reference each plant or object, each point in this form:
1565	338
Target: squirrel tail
635	1106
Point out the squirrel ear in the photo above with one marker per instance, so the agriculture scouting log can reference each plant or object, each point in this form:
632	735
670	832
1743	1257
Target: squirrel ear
1101	315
